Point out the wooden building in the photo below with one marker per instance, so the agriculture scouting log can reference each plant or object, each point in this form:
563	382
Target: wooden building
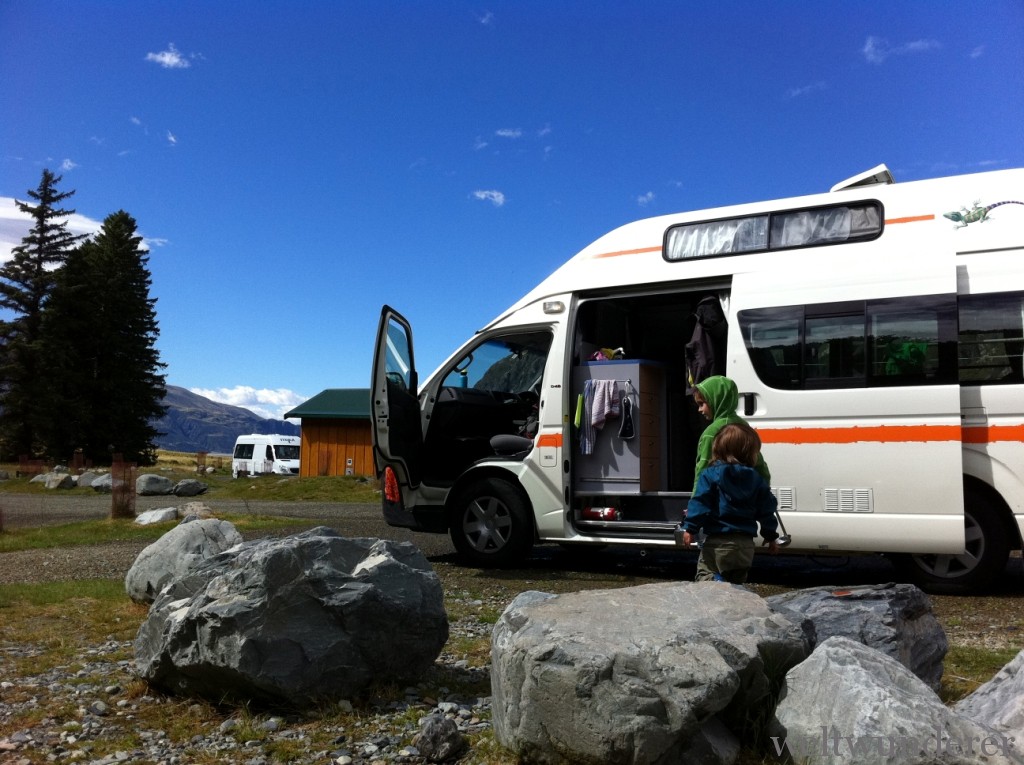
336	433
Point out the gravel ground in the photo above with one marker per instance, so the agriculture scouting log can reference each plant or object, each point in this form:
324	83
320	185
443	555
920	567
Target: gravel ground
111	710
993	621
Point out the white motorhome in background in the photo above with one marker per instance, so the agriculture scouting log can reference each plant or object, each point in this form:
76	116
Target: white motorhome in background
875	333
260	454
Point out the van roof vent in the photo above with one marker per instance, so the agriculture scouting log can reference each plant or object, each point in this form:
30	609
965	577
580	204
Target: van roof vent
877	175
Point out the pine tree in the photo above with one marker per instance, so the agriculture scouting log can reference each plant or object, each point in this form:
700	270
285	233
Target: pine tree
26	281
100	331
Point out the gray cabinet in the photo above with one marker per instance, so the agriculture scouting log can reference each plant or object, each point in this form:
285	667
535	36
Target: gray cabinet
625	466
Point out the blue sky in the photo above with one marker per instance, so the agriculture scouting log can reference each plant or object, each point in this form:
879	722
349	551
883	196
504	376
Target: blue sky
294	166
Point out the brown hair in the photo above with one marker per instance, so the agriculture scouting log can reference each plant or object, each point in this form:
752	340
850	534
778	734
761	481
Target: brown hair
736	444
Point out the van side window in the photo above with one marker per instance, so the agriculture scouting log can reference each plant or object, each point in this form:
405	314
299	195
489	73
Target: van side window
874	343
243	451
992	338
773	340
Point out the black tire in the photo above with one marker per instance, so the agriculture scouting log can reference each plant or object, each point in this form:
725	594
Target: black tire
492	524
987	549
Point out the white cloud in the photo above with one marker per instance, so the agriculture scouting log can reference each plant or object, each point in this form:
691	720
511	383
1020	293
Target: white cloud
171	138
170	58
645	199
487	19
978	52
877	49
509	133
805	90
14	225
479	144
494	197
67	164
266	402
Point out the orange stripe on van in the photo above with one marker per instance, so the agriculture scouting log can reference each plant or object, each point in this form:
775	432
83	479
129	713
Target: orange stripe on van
553	440
910	219
987	434
853	435
628	252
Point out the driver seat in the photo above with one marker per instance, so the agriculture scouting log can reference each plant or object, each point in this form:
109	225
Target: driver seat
512	447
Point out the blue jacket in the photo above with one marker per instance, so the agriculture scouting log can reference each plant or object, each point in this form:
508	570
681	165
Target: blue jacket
732	499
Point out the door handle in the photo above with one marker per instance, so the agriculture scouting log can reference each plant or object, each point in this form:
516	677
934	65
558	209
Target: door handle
749	403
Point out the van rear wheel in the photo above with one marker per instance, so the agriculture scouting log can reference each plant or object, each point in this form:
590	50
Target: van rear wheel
986	551
491	524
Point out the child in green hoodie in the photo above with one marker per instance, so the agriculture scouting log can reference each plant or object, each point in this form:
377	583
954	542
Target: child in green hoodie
717	398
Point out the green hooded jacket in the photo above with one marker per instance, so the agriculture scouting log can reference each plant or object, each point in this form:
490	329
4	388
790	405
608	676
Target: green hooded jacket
723	397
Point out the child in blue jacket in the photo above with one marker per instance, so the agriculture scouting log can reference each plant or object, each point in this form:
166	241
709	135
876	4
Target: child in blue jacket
730	501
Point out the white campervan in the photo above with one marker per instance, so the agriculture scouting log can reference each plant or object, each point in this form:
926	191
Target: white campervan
259	454
876	335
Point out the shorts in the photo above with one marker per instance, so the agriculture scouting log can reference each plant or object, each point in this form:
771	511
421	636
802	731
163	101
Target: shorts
728	555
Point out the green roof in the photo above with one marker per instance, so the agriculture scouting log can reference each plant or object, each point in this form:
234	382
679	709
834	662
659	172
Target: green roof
335	403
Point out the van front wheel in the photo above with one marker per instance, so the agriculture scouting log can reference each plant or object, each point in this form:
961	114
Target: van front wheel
491	524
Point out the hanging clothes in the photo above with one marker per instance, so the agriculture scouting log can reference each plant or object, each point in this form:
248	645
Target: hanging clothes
705	353
600	403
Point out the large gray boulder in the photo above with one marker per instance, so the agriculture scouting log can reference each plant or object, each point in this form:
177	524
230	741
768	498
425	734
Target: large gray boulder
59	481
175	554
189	487
103	484
854	705
87	478
660	673
302	619
999	703
896	619
157	515
150	484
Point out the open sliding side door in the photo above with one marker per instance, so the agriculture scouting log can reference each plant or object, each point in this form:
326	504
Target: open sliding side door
397	430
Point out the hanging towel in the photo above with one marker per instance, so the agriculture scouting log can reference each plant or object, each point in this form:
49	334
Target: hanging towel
606	403
600	403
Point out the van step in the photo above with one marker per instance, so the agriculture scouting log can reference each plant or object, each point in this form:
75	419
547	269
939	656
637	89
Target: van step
626	527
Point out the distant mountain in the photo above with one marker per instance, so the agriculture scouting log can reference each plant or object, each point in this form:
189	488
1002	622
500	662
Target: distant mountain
197	424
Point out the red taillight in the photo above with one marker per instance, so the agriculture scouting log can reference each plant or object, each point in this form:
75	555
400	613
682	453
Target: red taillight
391	491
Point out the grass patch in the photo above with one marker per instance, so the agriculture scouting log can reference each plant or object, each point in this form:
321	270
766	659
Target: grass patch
55	621
965	669
341	488
179	466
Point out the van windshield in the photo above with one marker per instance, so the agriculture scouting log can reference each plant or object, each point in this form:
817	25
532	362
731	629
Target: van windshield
286	451
507	364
